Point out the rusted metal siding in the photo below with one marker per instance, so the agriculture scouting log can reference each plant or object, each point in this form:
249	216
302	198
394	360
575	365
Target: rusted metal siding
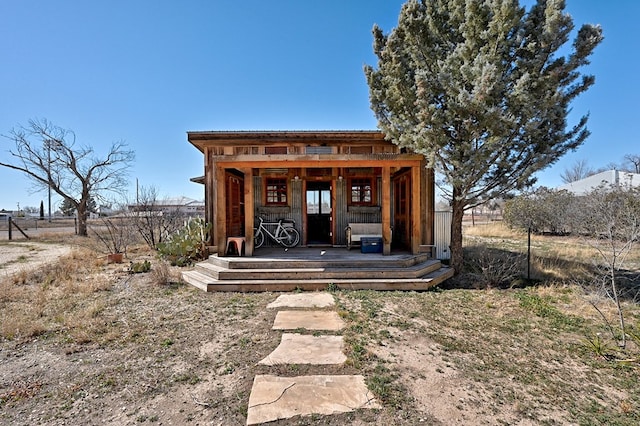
341	214
274	213
296	204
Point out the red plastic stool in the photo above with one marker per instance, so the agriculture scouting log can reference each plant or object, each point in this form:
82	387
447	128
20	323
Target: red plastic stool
238	242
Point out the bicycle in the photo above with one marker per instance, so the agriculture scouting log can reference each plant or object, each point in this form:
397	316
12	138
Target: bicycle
285	233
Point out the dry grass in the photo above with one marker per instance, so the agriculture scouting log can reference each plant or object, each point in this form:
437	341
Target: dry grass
554	259
47	299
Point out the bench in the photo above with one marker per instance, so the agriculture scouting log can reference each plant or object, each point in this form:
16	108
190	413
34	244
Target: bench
356	231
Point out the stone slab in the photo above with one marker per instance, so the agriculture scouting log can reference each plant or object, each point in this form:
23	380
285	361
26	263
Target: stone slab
303	300
274	397
307	349
310	320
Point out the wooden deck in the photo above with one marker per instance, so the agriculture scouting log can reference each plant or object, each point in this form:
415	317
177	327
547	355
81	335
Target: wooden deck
305	268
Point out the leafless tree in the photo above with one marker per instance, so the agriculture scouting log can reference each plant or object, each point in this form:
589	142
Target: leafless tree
610	220
51	158
150	220
634	161
579	170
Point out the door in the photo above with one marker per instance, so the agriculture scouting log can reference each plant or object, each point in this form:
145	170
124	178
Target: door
402	212
318	199
235	205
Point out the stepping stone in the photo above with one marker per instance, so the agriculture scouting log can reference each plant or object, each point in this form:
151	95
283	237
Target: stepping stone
310	320
303	300
307	349
274	397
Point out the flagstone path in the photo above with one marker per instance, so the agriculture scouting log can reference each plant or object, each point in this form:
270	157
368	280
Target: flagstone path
274	397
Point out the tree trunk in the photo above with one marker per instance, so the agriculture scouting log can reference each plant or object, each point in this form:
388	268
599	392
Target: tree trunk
456	234
616	298
81	210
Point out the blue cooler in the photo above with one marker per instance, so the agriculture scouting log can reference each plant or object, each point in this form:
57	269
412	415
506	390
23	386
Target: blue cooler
371	245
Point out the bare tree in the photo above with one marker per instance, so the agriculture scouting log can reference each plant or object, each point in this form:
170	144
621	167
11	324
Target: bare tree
634	161
579	170
610	219
50	157
152	223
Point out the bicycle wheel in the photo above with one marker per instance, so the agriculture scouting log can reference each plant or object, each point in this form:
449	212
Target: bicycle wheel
290	237
258	239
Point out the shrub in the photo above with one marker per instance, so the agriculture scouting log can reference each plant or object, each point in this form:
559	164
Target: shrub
139	267
187	245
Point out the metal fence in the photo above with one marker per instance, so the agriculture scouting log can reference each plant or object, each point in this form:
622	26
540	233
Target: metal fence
12	228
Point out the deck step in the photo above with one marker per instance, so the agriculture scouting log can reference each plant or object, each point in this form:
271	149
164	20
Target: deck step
317	269
203	281
303	273
372	261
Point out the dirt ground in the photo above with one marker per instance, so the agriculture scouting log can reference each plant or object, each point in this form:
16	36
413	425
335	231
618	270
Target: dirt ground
110	347
27	255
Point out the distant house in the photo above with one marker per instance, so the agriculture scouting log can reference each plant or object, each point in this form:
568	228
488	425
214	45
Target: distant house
607	178
182	205
5	215
322	180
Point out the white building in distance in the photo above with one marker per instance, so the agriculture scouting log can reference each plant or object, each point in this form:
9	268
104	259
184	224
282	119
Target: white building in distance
607	178
183	205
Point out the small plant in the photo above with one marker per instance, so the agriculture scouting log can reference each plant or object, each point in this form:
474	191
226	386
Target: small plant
139	267
598	346
187	245
332	287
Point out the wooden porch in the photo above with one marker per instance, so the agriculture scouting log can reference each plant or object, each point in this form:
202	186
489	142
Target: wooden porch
314	268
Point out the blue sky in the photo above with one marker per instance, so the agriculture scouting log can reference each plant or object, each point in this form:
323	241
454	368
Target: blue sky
148	71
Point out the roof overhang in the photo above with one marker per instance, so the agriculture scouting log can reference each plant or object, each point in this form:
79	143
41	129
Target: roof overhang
220	138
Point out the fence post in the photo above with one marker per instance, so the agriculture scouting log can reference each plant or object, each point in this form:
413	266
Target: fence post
10	221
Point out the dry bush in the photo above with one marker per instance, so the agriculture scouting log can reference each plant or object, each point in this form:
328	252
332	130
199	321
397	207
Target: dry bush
163	274
489	267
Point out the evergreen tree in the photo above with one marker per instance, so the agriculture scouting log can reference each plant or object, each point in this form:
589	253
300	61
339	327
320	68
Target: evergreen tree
67	207
41	209
478	87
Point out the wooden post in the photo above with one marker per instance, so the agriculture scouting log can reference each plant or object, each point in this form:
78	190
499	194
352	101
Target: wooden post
10	223
416	213
220	211
386	210
428	204
248	211
210	197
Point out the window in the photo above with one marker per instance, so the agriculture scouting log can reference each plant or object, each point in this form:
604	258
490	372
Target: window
275	149
361	191
276	191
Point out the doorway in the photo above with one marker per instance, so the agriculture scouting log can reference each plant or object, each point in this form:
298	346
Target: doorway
402	211
318	198
234	204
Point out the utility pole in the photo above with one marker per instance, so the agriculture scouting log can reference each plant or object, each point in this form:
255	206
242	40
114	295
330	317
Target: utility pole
49	175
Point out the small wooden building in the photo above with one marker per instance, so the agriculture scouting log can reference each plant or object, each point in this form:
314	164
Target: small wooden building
322	180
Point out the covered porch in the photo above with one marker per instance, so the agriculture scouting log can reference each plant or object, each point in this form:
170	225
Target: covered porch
322	181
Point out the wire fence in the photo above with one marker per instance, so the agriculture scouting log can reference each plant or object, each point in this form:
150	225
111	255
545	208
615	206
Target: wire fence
23	228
